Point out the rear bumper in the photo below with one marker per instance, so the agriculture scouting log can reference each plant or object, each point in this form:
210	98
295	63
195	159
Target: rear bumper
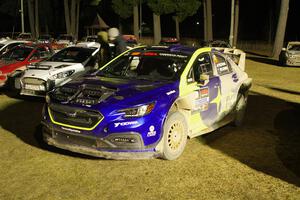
127	145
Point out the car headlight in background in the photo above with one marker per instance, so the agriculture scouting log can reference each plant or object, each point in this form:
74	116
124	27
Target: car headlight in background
138	111
62	74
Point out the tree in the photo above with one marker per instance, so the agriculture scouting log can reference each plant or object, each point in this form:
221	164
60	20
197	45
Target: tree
31	15
182	10
281	26
159	7
207	12
236	22
71	18
125	9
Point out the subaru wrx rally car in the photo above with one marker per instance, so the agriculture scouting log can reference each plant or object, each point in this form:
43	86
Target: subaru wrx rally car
147	102
59	69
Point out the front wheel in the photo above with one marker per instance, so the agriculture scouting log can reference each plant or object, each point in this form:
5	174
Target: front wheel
174	136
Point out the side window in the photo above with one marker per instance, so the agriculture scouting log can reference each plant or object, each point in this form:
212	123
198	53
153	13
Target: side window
35	56
202	65
223	67
44	52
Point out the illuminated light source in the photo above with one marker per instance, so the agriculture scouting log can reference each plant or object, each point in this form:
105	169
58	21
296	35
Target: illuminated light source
150	54
136	53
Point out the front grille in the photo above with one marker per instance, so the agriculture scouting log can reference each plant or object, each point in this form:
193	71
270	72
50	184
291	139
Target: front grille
74	116
34	81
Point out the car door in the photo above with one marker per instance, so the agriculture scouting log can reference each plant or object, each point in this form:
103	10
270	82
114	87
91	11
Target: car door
204	95
228	80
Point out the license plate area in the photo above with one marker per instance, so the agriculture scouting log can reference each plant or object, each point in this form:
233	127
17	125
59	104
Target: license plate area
34	87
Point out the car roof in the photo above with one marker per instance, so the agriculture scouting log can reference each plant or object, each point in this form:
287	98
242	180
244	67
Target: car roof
177	48
9	41
294	42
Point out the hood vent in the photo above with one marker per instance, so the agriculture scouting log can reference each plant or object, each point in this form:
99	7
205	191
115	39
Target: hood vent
38	66
84	95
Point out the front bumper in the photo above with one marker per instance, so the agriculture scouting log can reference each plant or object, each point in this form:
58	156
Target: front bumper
293	61
128	145
36	87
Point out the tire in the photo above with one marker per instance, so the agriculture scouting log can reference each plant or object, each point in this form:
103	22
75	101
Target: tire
174	136
240	110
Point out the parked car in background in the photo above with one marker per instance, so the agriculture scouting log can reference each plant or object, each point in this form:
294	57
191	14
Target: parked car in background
147	102
216	43
169	41
290	55
66	64
63	41
6	44
25	36
131	41
45	39
91	38
14	62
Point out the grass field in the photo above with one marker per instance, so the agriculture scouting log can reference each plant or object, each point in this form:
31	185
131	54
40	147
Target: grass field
260	160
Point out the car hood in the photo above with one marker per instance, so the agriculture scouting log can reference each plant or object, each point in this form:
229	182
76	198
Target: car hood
44	69
129	91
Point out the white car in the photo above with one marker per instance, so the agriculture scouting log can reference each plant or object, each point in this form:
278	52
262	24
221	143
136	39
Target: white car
290	55
7	44
59	69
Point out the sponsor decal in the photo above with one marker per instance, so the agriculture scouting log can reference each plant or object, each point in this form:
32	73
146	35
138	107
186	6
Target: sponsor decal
170	92
235	77
222	64
173	55
151	132
70	129
204	92
117	124
203	101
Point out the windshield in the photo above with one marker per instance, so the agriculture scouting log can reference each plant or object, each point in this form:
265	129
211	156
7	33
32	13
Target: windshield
73	55
294	47
154	66
18	53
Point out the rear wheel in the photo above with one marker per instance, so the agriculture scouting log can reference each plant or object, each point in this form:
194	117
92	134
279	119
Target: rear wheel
240	110
174	136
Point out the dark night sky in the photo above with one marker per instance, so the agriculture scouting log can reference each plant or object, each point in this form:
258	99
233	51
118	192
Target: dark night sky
257	19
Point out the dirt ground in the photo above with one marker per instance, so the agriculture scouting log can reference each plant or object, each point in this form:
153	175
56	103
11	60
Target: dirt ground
260	160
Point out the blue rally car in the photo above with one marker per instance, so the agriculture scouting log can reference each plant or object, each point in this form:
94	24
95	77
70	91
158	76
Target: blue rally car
146	102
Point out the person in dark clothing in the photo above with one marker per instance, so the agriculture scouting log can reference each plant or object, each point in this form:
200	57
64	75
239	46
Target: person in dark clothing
115	38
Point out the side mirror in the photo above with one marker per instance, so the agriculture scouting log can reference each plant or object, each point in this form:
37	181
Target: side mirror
204	79
283	49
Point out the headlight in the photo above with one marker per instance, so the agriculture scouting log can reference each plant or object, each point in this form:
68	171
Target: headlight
138	111
62	74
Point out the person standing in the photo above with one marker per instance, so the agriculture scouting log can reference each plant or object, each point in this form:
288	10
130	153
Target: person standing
105	53
115	38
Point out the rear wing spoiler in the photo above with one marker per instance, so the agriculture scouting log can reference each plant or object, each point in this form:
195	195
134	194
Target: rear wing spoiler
237	55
